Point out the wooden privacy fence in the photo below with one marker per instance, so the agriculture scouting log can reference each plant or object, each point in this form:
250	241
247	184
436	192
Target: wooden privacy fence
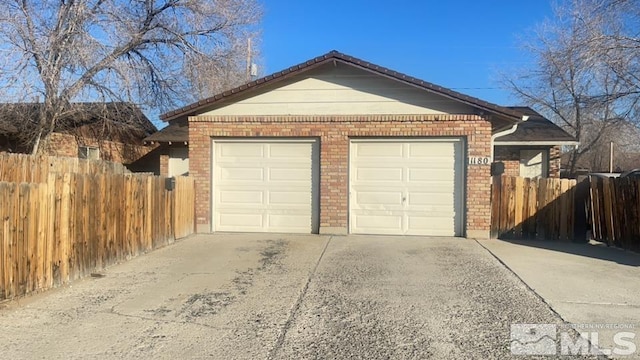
75	224
525	208
614	211
28	168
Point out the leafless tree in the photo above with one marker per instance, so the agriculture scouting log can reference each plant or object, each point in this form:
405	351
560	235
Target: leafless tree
586	66
223	68
65	51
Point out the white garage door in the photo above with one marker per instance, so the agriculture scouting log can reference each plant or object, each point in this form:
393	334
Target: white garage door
265	186
412	187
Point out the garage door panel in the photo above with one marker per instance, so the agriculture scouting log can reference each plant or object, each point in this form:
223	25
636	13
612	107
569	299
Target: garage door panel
378	198
241	174
430	150
430	175
379	174
264	186
290	174
241	150
379	150
417	191
231	220
289	151
283	221
385	222
289	198
240	197
430	198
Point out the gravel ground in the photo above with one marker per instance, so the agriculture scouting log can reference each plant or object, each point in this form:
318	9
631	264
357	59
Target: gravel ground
251	296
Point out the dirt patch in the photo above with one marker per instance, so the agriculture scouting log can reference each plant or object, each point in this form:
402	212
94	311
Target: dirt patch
270	259
206	304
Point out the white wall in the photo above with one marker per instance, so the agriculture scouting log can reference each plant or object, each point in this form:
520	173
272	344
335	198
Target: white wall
178	161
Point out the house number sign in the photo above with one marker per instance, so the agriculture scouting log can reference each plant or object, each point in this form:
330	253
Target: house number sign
479	160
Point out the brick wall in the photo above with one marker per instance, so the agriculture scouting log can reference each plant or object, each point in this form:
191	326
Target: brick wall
334	133
68	145
164	164
510	157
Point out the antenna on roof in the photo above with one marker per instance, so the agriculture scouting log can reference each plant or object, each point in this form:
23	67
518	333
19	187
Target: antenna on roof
252	69
248	59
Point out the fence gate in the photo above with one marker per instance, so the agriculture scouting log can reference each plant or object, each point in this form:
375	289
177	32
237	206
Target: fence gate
524	208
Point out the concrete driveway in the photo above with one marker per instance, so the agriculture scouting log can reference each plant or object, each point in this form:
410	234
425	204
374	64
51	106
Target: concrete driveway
591	285
251	296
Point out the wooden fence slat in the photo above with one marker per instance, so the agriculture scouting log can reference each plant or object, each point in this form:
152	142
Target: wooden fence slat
565	211
62	219
518	206
532	208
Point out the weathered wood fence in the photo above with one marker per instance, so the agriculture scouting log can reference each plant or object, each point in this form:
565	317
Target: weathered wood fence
36	169
72	225
614	211
525	208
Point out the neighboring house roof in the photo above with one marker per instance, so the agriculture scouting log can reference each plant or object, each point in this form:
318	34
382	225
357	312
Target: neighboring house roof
537	130
176	131
102	119
200	106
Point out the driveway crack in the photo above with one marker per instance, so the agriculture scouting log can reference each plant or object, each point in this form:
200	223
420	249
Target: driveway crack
296	306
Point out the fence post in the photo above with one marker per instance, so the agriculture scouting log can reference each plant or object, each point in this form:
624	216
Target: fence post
580	225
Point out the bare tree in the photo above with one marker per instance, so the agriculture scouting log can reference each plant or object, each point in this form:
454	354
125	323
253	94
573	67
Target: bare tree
585	72
223	68
66	51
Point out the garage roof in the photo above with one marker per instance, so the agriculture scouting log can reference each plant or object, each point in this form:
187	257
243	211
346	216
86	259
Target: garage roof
537	129
200	106
177	131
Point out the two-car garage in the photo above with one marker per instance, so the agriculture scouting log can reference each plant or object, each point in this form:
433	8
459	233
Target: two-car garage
395	186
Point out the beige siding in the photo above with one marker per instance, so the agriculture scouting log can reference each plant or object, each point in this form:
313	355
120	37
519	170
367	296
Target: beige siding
337	90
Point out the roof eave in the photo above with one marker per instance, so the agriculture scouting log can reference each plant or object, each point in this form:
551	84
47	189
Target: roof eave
510	115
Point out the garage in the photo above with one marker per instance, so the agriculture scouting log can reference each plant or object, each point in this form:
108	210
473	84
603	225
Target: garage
265	185
406	187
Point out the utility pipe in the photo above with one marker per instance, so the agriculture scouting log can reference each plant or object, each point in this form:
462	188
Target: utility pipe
511	130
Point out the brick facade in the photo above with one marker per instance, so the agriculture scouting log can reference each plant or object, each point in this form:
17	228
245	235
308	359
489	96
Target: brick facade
164	164
334	133
509	156
68	145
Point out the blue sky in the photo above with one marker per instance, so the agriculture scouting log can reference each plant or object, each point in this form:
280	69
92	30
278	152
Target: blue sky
460	45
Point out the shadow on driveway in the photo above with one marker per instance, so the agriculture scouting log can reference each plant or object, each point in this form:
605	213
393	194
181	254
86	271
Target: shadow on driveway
595	250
